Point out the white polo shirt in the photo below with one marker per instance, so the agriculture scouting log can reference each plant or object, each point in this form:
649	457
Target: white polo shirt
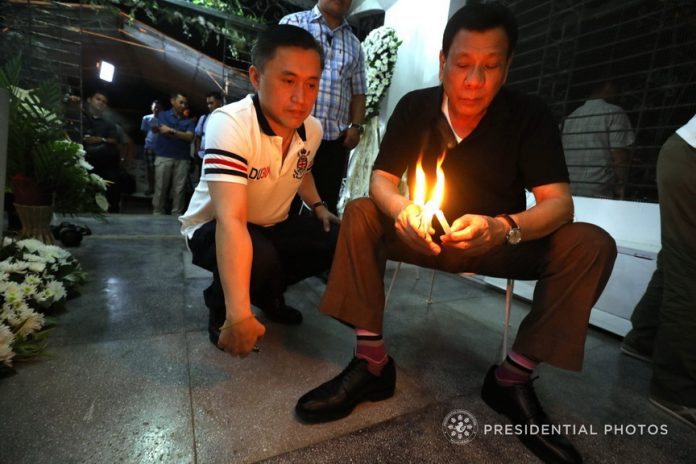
241	147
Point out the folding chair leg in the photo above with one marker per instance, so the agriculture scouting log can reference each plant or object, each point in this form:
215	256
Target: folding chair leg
429	301
506	327
391	284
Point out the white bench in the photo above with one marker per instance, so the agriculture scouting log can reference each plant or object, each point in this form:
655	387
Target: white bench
636	229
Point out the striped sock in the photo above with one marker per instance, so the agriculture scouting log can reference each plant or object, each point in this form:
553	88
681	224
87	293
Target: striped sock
515	369
370	347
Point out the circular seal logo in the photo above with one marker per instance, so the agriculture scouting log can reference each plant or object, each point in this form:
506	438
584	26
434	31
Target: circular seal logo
460	427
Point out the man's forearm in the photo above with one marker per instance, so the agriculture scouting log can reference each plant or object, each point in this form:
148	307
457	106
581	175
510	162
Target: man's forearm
544	217
185	136
234	254
308	190
357	109
384	191
620	160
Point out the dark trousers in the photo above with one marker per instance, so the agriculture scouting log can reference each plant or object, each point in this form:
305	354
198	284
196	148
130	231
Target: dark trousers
664	321
330	165
572	266
283	254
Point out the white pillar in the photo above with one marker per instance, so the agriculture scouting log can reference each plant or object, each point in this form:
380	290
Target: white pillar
421	29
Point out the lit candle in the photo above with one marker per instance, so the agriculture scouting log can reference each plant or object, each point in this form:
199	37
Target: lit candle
443	221
431	207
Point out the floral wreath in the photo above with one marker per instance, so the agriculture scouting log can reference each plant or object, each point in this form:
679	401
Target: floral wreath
380	48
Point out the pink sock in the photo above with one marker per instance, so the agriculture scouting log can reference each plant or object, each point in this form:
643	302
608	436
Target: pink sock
515	369
370	347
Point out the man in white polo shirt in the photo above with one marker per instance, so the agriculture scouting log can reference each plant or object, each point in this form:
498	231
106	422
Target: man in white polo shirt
258	155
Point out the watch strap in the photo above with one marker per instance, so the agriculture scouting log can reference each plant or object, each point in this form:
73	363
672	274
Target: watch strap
509	220
318	204
355	125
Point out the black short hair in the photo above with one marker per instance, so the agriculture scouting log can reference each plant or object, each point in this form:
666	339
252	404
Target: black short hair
156	102
173	95
282	35
216	94
478	16
100	91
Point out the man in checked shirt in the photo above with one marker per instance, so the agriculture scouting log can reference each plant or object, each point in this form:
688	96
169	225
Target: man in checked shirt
340	105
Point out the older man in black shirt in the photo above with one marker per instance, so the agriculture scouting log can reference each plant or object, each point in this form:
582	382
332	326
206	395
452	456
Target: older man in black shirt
496	143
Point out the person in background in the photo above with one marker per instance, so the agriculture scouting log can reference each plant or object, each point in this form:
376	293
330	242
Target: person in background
497	143
149	126
213	100
340	105
664	320
258	156
100	137
172	156
596	137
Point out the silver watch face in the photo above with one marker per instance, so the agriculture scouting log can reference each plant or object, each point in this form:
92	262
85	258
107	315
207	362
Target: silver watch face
514	236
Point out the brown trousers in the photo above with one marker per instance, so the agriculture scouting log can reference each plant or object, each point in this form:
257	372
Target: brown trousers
572	266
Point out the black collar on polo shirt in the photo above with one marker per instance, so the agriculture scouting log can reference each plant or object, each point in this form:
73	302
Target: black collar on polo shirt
266	127
497	113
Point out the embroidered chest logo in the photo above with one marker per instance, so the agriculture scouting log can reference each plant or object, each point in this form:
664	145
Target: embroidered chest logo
259	174
302	163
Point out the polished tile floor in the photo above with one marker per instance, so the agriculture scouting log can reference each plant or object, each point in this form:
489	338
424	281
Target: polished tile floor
132	377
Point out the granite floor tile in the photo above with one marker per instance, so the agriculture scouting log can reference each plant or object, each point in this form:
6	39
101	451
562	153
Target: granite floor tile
120	401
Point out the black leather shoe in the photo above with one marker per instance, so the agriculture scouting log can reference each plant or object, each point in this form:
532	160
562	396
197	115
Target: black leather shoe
336	398
521	405
278	311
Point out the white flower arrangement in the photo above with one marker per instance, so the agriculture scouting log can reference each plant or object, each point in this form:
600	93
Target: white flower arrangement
380	48
35	280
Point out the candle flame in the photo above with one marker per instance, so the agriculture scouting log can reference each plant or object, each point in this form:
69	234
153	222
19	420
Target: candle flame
431	206
419	194
439	191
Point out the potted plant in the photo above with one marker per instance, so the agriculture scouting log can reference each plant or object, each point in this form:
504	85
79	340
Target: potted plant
45	170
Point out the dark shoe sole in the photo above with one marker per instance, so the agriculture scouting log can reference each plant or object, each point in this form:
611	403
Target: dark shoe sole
316	418
628	350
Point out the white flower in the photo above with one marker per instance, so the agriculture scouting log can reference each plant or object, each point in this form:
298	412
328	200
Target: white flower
7	338
29	258
57	289
31	323
84	164
13	267
12	293
45	296
27	290
10	314
37	267
32	279
31	244
97	180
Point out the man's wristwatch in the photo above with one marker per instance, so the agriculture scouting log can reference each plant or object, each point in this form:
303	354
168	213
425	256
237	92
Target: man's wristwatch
514	235
359	127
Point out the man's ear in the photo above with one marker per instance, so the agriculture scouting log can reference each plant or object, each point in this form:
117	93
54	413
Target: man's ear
254	76
441	71
507	69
